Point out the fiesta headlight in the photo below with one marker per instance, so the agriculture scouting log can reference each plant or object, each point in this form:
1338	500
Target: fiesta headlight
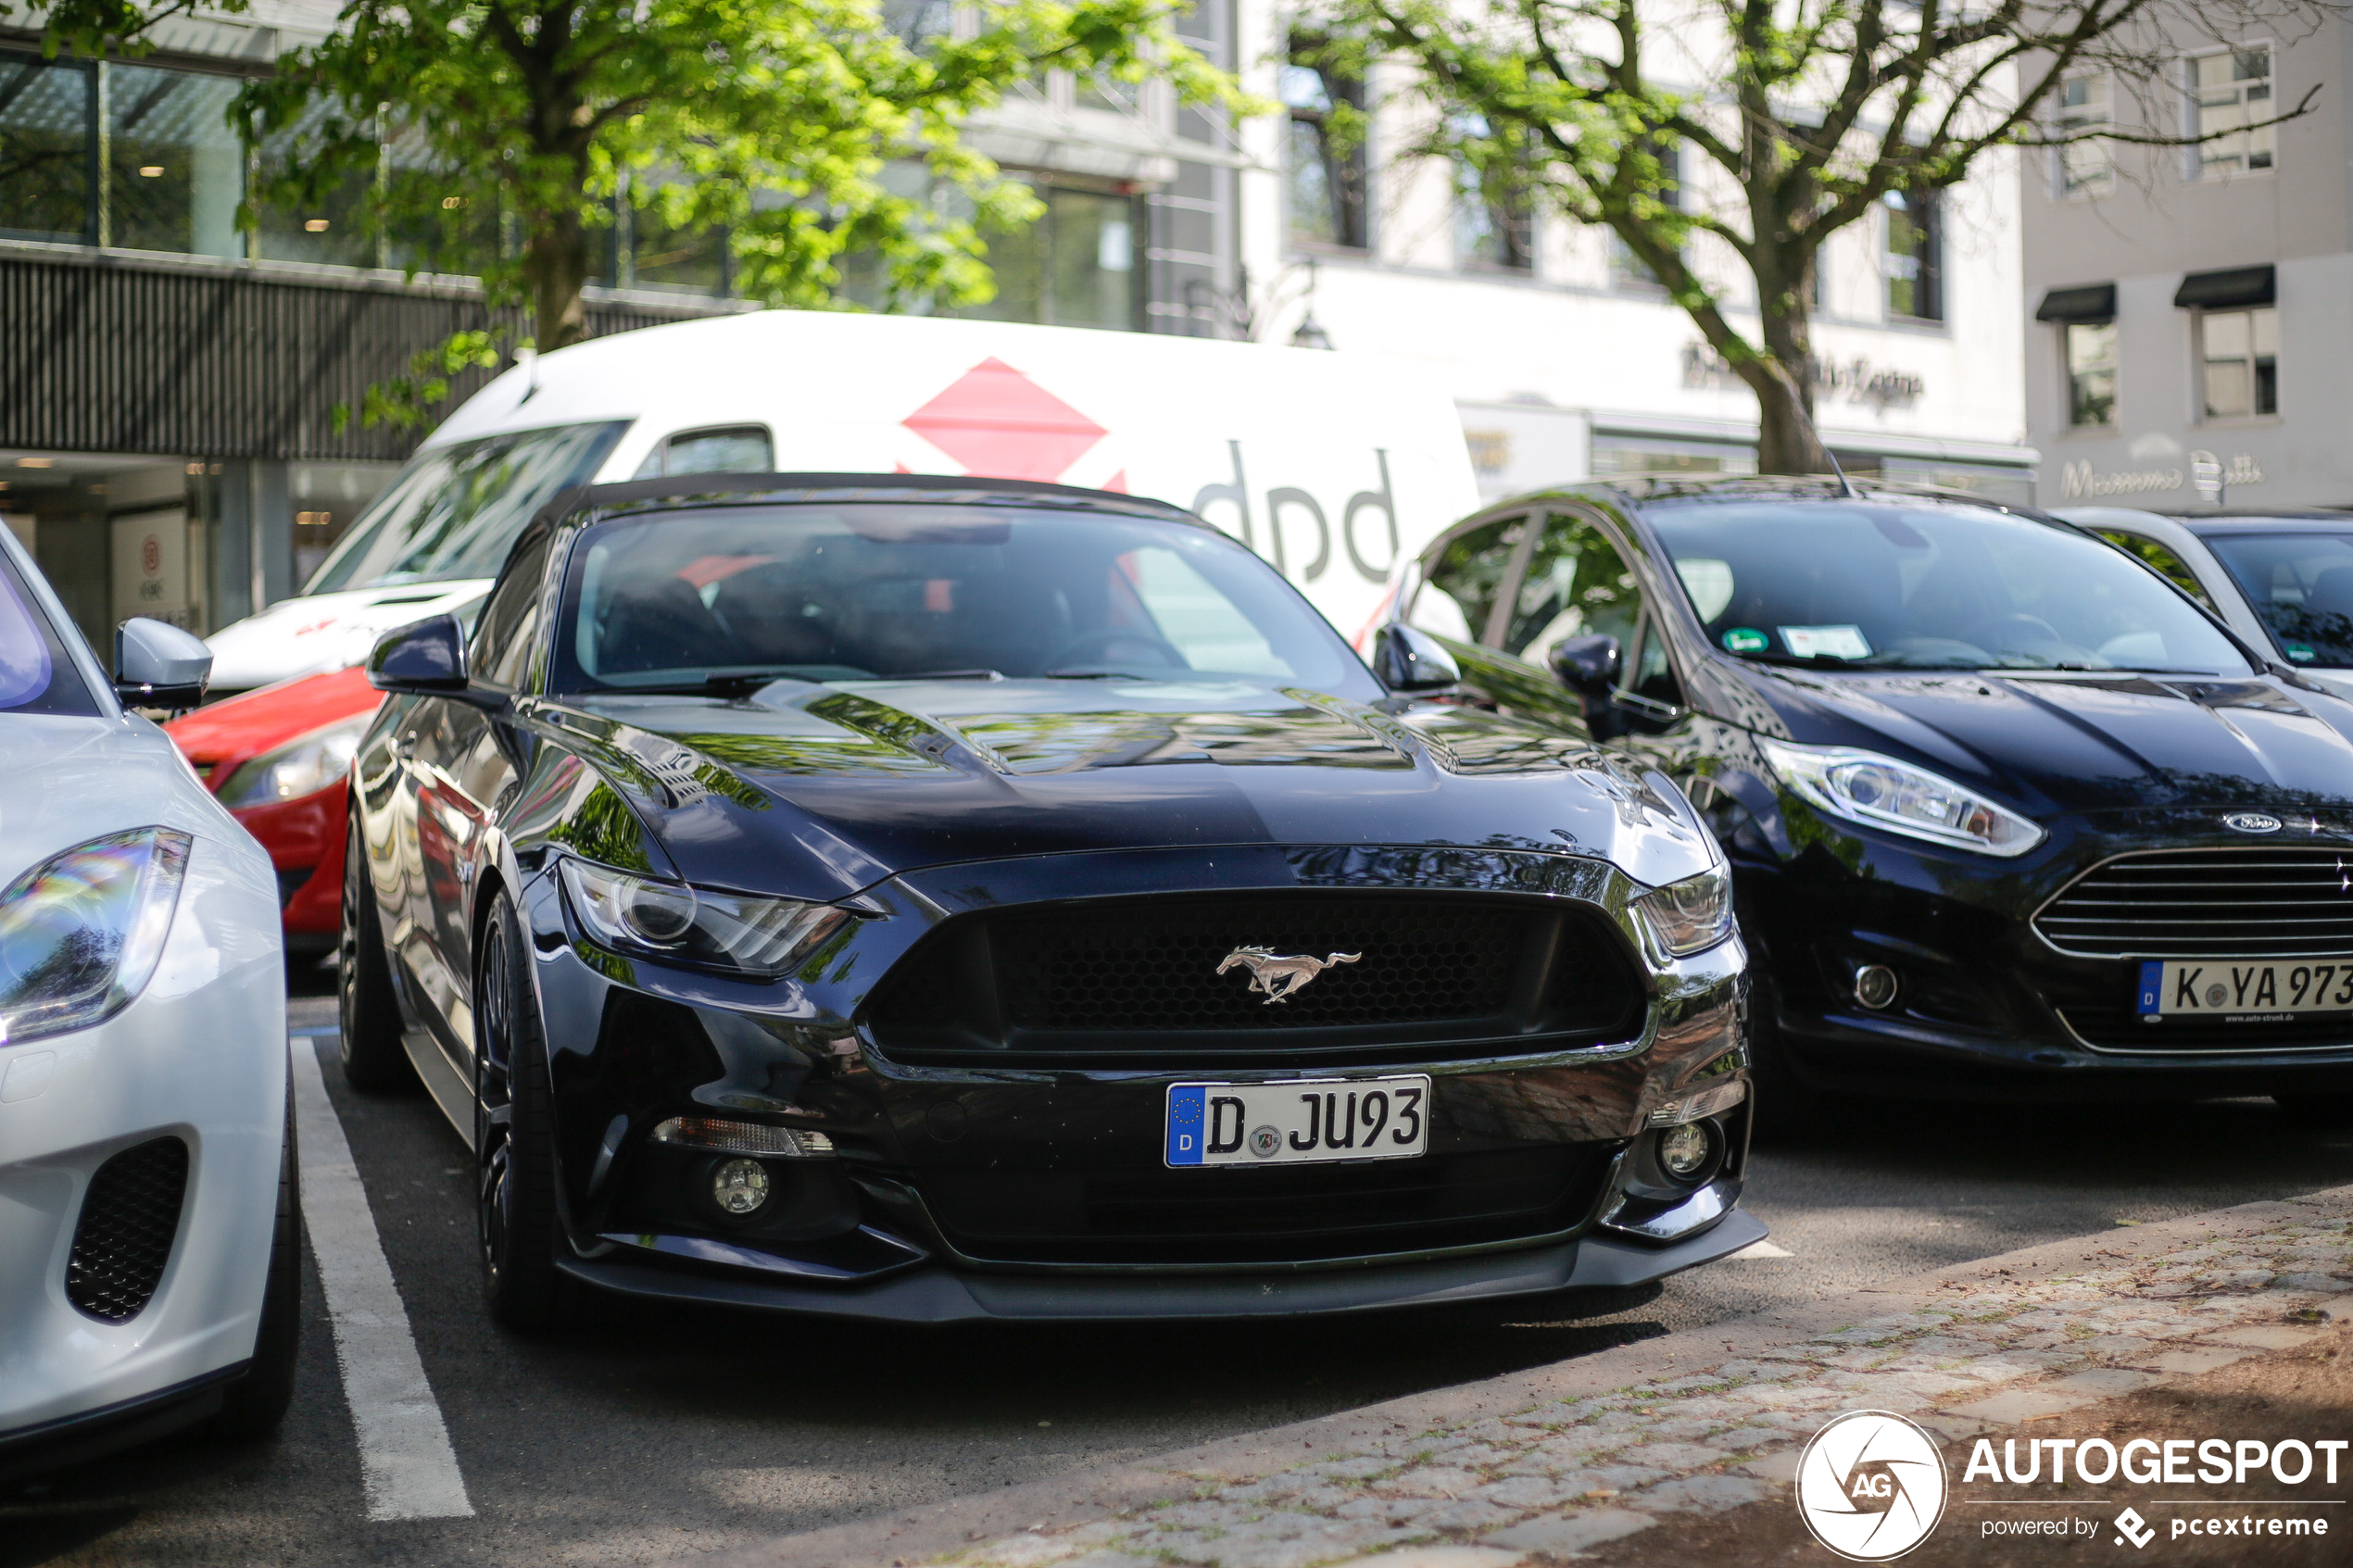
80	933
1863	786
1690	916
695	925
304	765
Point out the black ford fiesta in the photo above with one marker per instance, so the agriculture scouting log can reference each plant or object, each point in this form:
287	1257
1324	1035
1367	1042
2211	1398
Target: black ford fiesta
2008	815
930	900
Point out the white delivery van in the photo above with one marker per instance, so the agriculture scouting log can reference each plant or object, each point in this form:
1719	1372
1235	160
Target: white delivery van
1334	467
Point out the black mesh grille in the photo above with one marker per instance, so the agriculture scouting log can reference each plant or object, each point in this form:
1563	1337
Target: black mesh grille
1137	981
1159	969
2265	902
1269	1213
123	1239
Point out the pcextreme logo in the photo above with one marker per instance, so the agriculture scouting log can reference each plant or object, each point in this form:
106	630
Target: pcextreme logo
1870	1486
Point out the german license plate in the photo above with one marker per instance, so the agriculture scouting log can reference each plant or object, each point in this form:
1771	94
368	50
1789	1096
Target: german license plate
2233	990
1306	1123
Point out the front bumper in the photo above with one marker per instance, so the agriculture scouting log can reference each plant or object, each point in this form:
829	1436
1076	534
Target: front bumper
199	1056
1036	1189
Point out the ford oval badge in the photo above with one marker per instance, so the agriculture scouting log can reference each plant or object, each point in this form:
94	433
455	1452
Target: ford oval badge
2251	821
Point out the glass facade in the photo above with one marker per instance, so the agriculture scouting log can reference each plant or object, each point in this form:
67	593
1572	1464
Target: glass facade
2239	361
1324	164
46	145
2231	91
175	166
1076	266
2085	168
2091	373
1915	256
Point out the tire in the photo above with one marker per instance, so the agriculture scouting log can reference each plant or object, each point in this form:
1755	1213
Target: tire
517	1222
2316	1110
254	1405
1787	1106
374	1062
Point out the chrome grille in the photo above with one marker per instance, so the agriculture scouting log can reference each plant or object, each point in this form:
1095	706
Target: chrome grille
2286	902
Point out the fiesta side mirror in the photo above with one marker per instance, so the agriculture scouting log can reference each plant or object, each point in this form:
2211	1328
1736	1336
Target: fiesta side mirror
159	665
1409	660
426	658
1587	665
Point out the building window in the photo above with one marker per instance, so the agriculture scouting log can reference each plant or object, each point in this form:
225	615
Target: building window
1494	219
1325	161
1915	256
45	159
2091	373
1076	266
2229	91
2239	361
2085	168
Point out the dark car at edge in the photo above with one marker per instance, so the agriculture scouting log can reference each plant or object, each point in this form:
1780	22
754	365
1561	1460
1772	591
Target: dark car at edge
2009	816
945	899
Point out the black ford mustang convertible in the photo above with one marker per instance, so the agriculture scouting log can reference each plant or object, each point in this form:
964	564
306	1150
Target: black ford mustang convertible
929	899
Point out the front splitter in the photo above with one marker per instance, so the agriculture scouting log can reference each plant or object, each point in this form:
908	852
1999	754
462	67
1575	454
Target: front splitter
940	1295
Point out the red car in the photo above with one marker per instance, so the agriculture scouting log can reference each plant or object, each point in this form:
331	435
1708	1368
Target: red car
277	758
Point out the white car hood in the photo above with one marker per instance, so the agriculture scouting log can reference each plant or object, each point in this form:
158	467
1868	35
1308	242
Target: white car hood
70	780
322	632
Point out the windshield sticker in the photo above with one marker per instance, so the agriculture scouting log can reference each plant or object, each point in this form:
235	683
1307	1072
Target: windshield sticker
2300	652
1826	642
1746	639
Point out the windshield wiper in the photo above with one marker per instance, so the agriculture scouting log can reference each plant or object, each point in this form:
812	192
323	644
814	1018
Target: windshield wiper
943	676
1099	675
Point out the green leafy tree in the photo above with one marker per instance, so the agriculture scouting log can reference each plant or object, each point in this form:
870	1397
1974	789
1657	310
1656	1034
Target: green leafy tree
1762	128
497	138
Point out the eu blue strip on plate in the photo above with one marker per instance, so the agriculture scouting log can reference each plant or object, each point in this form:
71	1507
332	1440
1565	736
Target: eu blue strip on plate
2152	985
1187	1104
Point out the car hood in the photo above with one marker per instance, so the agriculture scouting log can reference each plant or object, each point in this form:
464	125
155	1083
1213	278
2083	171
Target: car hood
816	791
317	631
70	780
2086	743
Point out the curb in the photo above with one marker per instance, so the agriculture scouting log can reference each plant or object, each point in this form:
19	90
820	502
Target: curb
1666	1365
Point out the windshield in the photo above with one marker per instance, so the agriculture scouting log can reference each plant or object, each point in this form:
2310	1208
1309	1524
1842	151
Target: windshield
454	510
1927	586
37	675
883	591
2301	587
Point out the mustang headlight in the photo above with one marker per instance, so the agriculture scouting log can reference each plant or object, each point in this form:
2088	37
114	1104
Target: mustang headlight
81	933
1688	916
695	925
1863	786
303	766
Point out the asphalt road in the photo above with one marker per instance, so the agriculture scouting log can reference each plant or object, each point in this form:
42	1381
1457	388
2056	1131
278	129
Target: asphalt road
668	1431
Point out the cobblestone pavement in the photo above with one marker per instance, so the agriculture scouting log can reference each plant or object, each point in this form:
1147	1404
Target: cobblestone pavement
1966	1357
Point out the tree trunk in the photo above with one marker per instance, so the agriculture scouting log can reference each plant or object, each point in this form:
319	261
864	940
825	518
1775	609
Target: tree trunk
1786	441
556	263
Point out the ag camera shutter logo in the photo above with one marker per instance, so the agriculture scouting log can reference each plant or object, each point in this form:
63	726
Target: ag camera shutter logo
1870	1486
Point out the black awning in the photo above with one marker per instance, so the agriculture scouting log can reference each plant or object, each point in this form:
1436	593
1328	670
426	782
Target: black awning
2233	285
2085	302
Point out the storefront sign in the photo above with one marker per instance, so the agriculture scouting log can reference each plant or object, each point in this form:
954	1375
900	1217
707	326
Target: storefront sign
1858	379
2208	475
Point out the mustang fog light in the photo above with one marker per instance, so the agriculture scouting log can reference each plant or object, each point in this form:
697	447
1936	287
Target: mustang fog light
739	1186
744	1138
1683	1151
1875	986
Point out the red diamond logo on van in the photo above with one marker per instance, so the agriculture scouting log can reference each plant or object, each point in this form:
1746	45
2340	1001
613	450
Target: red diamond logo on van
999	424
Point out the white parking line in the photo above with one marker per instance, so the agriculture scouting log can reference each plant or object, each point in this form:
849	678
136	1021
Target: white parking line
1761	1250
407	1467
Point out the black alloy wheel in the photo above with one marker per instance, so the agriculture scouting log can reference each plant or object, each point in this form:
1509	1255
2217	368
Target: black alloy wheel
374	1062
254	1405
515	1138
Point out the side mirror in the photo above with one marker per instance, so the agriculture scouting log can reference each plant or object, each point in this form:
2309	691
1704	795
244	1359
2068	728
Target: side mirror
1588	664
1409	660
428	657
158	665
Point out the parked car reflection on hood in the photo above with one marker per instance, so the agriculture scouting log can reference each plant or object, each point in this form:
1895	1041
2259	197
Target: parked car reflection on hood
2009	813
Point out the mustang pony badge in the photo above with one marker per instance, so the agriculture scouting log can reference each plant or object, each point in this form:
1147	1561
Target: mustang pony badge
1277	975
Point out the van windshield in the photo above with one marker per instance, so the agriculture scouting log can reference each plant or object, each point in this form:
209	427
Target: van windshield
1918	585
874	591
454	510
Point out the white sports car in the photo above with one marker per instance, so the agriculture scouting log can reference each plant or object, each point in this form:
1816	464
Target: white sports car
149	1276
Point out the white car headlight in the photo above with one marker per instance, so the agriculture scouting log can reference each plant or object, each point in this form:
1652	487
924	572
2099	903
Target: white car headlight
695	925
1690	916
80	934
303	766
1863	786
